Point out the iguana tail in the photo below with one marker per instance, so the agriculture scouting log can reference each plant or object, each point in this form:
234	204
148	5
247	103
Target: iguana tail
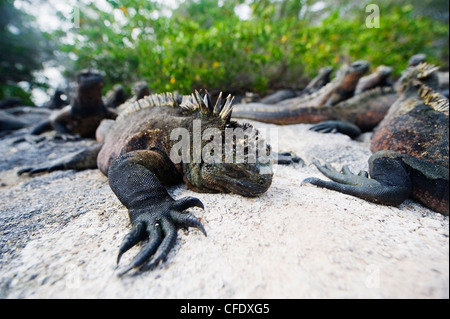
282	114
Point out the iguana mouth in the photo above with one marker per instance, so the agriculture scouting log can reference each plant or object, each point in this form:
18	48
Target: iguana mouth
244	187
248	180
254	184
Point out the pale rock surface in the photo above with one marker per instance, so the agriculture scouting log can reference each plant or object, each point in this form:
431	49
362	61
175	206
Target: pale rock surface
60	234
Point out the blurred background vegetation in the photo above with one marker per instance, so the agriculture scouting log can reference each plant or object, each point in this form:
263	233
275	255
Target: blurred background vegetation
230	45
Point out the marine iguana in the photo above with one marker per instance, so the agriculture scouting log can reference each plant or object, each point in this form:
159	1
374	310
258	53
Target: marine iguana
137	157
314	85
57	101
333	102
115	97
86	111
140	89
411	149
378	78
321	79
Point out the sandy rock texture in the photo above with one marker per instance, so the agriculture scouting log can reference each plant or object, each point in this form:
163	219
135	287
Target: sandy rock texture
60	234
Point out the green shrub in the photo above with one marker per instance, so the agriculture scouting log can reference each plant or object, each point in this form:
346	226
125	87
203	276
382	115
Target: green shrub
219	51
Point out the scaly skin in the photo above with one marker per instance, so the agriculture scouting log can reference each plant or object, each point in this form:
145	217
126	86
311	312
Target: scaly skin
411	148
135	155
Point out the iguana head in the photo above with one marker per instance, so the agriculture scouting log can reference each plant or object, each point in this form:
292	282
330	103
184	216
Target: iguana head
140	89
414	77
246	179
90	85
384	70
234	157
416	59
358	68
89	77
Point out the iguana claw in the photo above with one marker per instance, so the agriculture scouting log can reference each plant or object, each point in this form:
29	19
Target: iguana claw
161	230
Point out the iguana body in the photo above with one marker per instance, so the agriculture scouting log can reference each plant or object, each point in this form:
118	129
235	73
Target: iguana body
411	149
335	101
86	111
136	157
322	79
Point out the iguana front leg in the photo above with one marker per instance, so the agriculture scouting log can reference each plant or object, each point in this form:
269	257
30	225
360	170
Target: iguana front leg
136	178
390	183
84	159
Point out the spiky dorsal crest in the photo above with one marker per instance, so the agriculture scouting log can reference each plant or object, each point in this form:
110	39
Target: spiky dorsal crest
430	96
222	108
433	99
152	100
195	101
425	69
416	76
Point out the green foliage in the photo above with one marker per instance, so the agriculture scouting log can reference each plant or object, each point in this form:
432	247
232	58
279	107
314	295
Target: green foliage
23	49
12	90
204	44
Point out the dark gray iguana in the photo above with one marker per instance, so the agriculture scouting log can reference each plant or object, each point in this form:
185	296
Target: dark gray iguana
140	89
322	79
86	111
115	97
135	155
379	78
411	149
57	101
335	101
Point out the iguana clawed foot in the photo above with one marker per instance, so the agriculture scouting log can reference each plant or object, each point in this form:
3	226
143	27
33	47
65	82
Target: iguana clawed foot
343	127
389	185
345	177
286	158
160	228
